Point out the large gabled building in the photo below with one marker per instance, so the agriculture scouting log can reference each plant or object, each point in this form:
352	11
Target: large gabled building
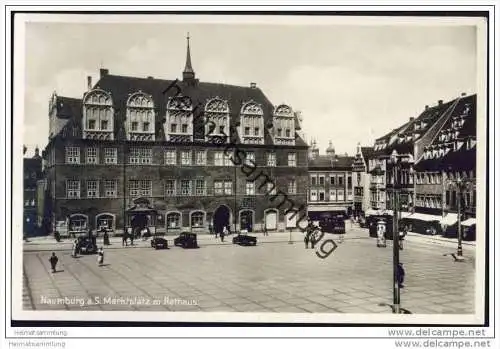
174	155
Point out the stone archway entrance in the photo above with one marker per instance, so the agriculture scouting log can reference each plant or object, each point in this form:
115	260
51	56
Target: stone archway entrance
221	218
246	220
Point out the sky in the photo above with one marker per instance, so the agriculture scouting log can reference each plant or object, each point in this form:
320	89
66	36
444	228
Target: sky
352	83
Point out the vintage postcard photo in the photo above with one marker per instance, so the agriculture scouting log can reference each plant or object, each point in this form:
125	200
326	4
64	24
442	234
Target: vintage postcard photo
262	169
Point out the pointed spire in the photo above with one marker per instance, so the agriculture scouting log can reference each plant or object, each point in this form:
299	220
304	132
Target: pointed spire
188	72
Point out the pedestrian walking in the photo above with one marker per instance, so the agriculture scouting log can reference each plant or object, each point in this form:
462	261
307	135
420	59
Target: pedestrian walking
132	239
105	238
100	256
306	240
223	233
125	238
53	262
74	252
400	272
210	228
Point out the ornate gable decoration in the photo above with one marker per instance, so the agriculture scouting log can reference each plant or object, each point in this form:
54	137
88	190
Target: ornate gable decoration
217	105
283	130
140	123
98	115
252	108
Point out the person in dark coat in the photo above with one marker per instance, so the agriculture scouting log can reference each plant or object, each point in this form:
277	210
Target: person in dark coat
400	275
222	234
100	257
53	262
105	238
125	238
306	239
210	229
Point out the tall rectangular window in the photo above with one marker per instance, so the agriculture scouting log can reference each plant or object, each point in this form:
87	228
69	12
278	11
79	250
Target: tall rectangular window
321	195
247	131
227	159
104	125
271	159
72	155
91	156
333	195
292	159
92	189
73	189
186	157
250	188
134	188
314	195
349	194
146	188
292	186
170	157
185	187
332	180
201	157
228	187
250	158
313	180
170	187
270	188
321	180
219	158
200	189
349	181
110	156
341	180
135	155
218	187
340	195
110	188
184	128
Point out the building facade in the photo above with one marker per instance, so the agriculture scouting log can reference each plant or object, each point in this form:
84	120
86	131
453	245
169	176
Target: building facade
32	169
450	157
174	156
330	184
361	180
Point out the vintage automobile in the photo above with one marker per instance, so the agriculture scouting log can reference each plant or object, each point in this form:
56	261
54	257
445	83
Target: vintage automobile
334	225
159	243
186	240
243	239
87	245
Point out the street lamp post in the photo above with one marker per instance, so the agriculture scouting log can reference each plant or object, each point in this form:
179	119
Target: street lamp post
395	235
460	185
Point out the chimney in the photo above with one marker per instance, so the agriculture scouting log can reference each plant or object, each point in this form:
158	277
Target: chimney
89	82
103	72
150	77
463	94
253	85
440	102
426	107
412	118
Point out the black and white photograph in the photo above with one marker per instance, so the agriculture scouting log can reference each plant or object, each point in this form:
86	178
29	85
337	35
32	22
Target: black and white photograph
250	168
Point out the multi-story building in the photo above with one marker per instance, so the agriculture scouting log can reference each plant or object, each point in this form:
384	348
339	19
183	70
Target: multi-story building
174	155
361	180
330	183
450	156
32	173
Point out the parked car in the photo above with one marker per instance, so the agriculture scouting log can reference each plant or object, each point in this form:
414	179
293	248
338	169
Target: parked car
87	245
334	225
159	243
186	240
243	239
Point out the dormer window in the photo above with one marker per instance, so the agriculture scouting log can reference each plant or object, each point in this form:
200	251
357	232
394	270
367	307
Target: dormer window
284	119
252	118
140	117
217	120
97	107
179	112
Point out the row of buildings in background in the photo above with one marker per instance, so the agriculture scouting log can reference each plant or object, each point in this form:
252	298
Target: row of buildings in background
179	155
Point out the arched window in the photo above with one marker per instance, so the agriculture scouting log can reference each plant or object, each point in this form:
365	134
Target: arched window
252	123
197	219
97	121
173	220
284	121
179	119
78	222
217	119
140	122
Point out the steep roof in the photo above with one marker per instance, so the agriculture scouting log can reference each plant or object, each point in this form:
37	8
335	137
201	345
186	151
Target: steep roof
121	87
327	162
367	154
462	159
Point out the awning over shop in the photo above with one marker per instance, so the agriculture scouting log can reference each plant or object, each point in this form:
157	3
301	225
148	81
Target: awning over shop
469	222
371	212
424	217
405	214
449	219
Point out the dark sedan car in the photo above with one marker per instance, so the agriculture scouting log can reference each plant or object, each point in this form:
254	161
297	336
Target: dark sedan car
159	243
186	240
87	245
244	240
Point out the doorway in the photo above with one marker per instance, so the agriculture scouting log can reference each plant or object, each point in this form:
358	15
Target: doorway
221	218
